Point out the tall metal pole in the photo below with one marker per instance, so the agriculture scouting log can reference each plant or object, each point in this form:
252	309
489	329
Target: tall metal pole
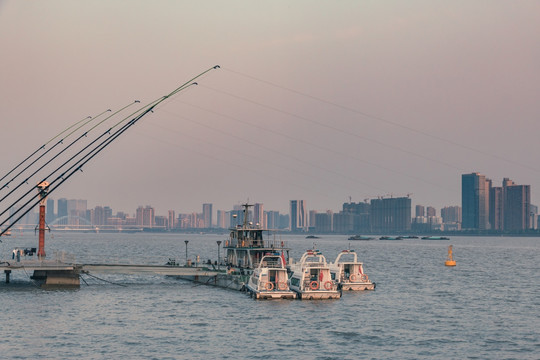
186	241
218	253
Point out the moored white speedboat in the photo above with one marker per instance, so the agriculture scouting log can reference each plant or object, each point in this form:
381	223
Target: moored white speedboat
269	279
311	278
349	272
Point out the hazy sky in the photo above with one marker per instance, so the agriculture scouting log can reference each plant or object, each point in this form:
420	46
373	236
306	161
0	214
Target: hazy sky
316	100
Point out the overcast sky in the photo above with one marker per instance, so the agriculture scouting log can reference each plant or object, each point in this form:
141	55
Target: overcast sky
323	101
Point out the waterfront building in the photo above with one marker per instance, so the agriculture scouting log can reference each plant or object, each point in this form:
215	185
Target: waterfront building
76	210
496	207
62	211
324	222
533	215
145	216
207	215
391	214
258	215
272	219
107	210
221	219
298	219
360	218
49	214
284	220
475	201
419	211
517	201
420	224
236	216
172	219
451	214
435	223
430	211
161	221
98	216
343	222
312	219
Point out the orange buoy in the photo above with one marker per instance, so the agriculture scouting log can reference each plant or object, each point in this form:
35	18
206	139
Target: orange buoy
450	260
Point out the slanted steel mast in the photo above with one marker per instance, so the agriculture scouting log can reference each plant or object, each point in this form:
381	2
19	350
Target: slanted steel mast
87	154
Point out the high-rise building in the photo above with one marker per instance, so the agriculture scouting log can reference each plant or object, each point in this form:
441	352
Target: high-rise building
161	221
517	200
145	216
236	216
533	215
272	219
496	210
420	211
324	222
222	219
391	214
343	222
207	215
357	216
172	219
76	211
430	211
99	216
475	201
62	211
451	214
312	218
49	215
298	219
258	215
107	210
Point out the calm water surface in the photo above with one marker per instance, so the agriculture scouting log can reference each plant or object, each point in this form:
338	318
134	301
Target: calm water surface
487	307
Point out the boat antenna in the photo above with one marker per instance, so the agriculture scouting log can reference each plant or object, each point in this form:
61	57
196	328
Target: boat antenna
246	214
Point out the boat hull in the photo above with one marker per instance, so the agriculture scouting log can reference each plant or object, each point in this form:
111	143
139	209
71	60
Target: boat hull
351	286
271	295
319	295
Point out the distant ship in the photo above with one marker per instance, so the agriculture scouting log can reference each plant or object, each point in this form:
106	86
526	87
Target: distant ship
391	238
435	238
360	237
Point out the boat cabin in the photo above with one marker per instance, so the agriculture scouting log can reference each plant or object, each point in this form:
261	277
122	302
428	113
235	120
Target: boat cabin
246	244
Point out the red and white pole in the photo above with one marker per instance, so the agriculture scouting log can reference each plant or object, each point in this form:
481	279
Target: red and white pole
43	189
41	249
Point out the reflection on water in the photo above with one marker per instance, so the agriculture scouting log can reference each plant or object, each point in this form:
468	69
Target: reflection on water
485	307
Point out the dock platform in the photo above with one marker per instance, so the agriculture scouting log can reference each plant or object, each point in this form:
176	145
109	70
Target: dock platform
57	273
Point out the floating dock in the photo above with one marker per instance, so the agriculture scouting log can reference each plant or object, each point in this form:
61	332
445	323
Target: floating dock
51	273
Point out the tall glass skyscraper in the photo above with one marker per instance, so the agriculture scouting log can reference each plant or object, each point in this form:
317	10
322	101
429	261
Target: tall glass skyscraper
207	215
298	215
475	201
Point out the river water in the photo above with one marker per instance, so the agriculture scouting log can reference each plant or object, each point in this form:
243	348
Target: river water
487	307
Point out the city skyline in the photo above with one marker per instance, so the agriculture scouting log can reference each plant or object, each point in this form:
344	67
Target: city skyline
484	207
304	203
385	98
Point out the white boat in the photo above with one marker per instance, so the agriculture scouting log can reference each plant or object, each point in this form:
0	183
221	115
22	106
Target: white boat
349	272
311	278
270	280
